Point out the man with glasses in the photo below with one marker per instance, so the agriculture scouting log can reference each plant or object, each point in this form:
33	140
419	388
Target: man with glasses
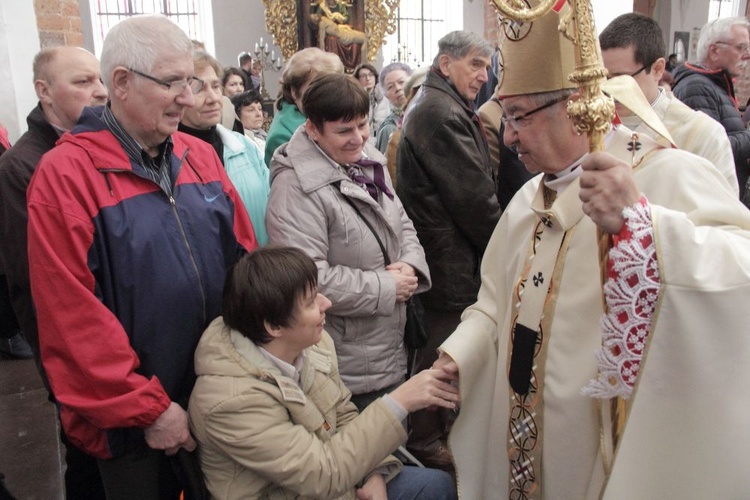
509	172
632	44
707	85
132	227
559	399
446	184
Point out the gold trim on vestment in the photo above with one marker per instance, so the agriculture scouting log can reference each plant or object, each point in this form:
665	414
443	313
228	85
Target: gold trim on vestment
526	416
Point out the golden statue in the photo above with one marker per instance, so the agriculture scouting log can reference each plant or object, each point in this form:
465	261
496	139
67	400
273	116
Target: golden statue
290	24
335	34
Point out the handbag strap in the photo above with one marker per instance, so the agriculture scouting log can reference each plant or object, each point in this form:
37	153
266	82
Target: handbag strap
369	226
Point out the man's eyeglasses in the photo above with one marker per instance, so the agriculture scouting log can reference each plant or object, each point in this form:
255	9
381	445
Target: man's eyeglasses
631	74
520	121
740	47
175	87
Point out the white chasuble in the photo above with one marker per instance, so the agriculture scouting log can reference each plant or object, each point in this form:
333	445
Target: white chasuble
685	433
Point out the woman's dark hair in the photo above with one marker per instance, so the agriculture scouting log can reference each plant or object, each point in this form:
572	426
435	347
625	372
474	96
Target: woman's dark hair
375	73
335	97
245	98
231	70
266	285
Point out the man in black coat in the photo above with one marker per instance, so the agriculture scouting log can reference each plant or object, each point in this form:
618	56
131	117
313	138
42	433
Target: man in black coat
446	185
12	341
66	79
723	52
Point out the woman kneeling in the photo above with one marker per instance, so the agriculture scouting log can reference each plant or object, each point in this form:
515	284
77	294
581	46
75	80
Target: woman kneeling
269	410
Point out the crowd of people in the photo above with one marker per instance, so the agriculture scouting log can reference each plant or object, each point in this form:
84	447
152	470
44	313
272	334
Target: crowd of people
218	305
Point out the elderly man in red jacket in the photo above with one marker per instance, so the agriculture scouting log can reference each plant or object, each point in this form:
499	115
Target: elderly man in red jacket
132	227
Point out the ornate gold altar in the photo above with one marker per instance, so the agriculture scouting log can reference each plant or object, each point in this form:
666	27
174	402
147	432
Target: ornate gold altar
355	29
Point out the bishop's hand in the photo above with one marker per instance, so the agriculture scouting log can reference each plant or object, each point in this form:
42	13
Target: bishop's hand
607	186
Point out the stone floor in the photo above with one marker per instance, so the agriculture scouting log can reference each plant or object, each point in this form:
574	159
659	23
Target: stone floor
30	455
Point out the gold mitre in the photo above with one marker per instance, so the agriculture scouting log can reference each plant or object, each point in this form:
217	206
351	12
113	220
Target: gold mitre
536	57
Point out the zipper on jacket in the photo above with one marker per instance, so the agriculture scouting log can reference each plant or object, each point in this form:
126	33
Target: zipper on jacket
109	184
173	204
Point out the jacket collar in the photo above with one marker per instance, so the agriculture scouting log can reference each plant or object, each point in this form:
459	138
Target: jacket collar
720	77
226	352
40	127
231	142
314	170
92	135
252	359
437	80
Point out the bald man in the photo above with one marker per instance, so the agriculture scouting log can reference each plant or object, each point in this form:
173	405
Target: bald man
66	80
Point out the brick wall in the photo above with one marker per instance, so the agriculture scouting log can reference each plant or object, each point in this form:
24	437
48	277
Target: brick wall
59	22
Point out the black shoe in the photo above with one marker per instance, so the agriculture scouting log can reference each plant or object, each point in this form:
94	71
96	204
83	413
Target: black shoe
16	347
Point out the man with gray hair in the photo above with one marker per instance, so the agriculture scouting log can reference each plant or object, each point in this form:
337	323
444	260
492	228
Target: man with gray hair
446	185
707	85
132	227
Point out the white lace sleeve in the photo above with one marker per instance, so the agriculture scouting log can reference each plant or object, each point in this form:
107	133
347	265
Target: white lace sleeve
630	292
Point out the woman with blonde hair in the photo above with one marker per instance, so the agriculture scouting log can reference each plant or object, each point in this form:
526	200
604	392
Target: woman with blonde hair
300	70
241	159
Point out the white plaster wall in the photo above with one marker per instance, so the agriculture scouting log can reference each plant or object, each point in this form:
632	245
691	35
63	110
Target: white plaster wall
474	16
19	42
686	15
84	7
606	10
238	25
